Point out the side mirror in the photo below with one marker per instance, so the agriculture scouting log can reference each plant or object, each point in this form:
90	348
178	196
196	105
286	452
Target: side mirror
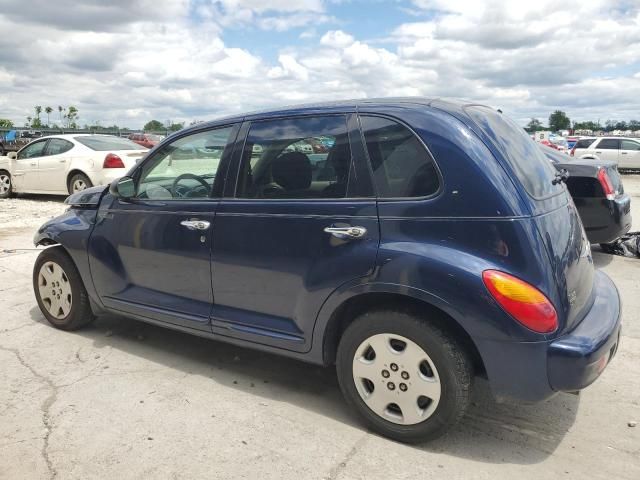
12	155
123	187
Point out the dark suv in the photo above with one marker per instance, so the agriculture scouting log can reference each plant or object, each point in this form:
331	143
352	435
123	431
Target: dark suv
431	242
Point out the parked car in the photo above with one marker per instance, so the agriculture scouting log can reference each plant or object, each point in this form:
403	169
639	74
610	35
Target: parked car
597	191
441	248
147	140
624	151
14	140
63	164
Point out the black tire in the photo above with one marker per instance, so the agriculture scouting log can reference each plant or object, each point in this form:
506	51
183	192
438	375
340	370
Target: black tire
449	357
78	177
6	176
80	313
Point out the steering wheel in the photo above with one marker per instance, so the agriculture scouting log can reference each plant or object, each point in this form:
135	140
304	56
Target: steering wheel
187	176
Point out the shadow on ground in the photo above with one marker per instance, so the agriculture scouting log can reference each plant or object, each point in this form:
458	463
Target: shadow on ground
490	432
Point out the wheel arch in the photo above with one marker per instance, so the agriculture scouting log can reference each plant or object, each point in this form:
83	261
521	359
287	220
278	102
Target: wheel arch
390	297
75	171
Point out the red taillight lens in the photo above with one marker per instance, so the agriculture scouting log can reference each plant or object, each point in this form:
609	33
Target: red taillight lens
525	303
607	186
112	161
573	151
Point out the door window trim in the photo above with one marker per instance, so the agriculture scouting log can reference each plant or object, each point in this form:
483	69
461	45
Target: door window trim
432	196
241	144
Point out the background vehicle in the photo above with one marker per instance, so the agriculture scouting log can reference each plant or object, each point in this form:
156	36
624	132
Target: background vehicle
14	140
624	151
361	267
62	164
147	140
597	190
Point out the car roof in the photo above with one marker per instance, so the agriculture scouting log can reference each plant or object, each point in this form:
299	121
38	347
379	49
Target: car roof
340	106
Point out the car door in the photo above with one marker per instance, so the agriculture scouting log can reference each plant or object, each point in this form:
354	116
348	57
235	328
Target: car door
293	231
52	166
150	255
25	172
629	154
608	149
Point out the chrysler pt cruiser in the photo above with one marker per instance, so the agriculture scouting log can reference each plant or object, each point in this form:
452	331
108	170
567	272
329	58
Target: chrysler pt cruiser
425	243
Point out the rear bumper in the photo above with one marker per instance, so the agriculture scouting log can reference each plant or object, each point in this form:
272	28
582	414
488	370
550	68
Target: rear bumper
609	220
535	371
575	360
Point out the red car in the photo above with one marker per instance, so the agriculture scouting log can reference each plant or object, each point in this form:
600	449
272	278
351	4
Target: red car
148	140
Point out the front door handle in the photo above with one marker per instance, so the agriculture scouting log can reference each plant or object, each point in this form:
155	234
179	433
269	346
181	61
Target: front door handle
623	153
346	232
195	224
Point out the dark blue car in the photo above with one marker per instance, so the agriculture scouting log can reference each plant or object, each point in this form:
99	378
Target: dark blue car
434	242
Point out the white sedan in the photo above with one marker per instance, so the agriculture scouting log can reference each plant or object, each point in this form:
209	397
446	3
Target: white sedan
64	164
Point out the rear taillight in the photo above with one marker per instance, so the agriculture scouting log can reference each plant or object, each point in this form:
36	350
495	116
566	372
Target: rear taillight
525	303
112	161
607	186
573	151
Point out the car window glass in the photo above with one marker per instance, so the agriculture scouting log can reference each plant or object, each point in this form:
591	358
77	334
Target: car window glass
608	144
32	150
57	146
402	167
296	158
630	145
185	168
103	143
585	142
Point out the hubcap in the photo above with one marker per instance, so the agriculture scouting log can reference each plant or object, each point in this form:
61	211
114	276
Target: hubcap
5	184
54	289
396	379
78	185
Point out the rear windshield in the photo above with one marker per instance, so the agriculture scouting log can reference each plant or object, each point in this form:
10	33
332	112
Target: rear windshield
102	143
585	142
522	153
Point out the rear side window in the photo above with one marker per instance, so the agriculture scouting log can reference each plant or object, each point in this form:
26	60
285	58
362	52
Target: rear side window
402	167
58	146
630	145
609	144
528	162
585	142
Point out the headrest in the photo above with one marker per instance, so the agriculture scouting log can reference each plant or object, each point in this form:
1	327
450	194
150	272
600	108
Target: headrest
292	171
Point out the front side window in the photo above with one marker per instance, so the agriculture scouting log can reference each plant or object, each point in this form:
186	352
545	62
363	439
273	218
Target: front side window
608	144
630	145
184	169
402	167
35	149
58	146
297	158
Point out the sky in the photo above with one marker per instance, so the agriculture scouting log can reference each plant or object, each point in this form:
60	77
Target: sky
130	61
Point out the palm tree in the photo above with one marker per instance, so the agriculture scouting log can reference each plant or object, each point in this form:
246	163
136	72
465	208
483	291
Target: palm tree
38	110
48	111
60	113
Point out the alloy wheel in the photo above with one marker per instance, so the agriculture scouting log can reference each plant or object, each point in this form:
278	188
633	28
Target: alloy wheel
396	379
5	184
78	185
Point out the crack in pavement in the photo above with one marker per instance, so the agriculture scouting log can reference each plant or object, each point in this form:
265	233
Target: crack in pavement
334	473
45	407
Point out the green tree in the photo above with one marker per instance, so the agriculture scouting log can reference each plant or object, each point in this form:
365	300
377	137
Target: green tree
60	109
5	123
48	111
72	116
38	110
534	125
153	126
174	127
558	120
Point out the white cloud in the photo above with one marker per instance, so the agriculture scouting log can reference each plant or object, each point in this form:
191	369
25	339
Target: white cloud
336	38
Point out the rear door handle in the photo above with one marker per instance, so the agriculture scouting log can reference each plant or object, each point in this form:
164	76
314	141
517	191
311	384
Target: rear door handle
346	232
195	224
623	153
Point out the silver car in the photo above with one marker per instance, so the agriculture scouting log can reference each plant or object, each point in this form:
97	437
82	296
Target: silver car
624	151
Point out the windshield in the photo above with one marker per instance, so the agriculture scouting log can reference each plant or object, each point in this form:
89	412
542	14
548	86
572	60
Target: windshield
103	143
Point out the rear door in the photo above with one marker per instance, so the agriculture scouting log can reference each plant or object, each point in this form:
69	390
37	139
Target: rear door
52	168
607	149
294	230
629	154
553	213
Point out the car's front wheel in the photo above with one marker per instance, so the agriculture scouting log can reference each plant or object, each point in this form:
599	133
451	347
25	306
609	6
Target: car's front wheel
79	182
59	290
408	379
5	184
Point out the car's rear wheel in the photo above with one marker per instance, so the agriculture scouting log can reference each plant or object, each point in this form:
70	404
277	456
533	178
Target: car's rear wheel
5	184
79	182
408	379
59	290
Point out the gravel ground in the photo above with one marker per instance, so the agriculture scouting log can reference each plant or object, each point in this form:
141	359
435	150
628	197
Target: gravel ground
126	400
